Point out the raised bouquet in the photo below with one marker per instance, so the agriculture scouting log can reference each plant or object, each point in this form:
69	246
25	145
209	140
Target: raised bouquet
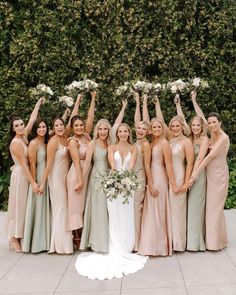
67	100
119	183
178	86
41	90
124	91
79	87
198	83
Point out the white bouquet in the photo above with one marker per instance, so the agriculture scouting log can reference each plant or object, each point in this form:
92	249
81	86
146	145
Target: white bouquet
177	86
119	183
138	86
67	100
77	87
199	83
124	91
41	90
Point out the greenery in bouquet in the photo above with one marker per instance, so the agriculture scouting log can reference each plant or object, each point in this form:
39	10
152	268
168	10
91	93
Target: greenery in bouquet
124	91
198	83
178	86
119	183
66	100
41	90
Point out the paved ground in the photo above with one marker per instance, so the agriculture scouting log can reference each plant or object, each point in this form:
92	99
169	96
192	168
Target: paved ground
206	273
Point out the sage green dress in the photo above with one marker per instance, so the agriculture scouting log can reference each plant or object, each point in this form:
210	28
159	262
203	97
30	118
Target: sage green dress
196	211
95	231
37	218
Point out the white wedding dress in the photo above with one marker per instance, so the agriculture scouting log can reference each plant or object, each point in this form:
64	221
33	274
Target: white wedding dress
119	261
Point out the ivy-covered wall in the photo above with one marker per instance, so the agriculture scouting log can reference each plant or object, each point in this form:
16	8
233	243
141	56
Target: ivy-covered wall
113	41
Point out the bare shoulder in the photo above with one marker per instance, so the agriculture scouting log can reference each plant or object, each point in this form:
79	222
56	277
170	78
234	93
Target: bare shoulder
146	144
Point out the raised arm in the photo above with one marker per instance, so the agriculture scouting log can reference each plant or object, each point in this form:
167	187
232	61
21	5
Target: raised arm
73	113
34	116
90	116
180	113
18	152
202	153
197	108
66	114
159	115
118	120
88	159
73	149
111	159
137	114
145	109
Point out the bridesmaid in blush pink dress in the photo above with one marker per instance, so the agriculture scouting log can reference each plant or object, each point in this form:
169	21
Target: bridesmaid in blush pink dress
20	178
217	184
156	237
56	170
76	181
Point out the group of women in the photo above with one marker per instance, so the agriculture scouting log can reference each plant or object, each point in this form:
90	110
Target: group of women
57	204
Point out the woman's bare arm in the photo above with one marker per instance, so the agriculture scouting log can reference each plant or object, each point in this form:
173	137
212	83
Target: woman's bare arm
34	116
91	110
180	113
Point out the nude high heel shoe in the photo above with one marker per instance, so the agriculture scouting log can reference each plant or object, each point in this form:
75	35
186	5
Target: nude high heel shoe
14	245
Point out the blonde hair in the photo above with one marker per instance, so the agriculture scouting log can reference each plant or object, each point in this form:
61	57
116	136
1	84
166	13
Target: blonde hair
97	126
145	123
130	133
155	119
179	119
203	131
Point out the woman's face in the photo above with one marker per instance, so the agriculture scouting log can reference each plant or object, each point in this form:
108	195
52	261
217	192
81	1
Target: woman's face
176	128
59	127
42	129
141	131
78	127
103	131
157	129
123	133
214	124
19	127
196	127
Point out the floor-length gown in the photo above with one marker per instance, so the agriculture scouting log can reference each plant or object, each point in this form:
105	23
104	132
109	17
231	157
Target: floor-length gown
156	237
37	218
139	195
217	190
196	211
18	193
76	200
178	202
61	240
119	261
95	230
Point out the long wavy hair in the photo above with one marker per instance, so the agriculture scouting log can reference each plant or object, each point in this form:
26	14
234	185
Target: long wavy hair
33	133
162	124
12	133
130	141
203	131
53	122
96	128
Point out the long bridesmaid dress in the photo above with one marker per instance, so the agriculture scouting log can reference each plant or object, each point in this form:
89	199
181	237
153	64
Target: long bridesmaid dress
217	189
76	200
178	202
95	234
61	240
18	193
37	218
139	195
156	237
196	211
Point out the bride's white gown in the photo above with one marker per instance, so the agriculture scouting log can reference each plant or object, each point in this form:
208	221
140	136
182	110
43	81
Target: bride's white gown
119	261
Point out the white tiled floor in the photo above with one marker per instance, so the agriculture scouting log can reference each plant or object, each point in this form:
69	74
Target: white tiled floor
205	273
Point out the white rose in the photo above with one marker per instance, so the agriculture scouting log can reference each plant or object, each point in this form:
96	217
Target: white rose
196	82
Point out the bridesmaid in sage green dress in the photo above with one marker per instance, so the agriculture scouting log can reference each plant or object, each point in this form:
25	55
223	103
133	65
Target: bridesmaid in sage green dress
37	219
95	234
197	193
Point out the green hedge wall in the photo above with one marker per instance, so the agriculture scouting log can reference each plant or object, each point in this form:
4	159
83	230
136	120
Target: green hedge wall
111	41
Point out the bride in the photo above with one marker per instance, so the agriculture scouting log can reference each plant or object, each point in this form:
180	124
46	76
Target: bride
119	261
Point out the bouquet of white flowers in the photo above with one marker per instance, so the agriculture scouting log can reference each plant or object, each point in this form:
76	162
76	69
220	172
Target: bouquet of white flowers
142	87
177	86
119	183
124	91
199	83
41	90
67	100
77	87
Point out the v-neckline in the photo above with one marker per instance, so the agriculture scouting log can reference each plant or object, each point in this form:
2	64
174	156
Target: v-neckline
122	160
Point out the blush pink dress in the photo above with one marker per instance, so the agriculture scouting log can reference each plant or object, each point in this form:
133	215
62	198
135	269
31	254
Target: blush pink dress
178	202
156	237
18	193
76	200
61	240
217	190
